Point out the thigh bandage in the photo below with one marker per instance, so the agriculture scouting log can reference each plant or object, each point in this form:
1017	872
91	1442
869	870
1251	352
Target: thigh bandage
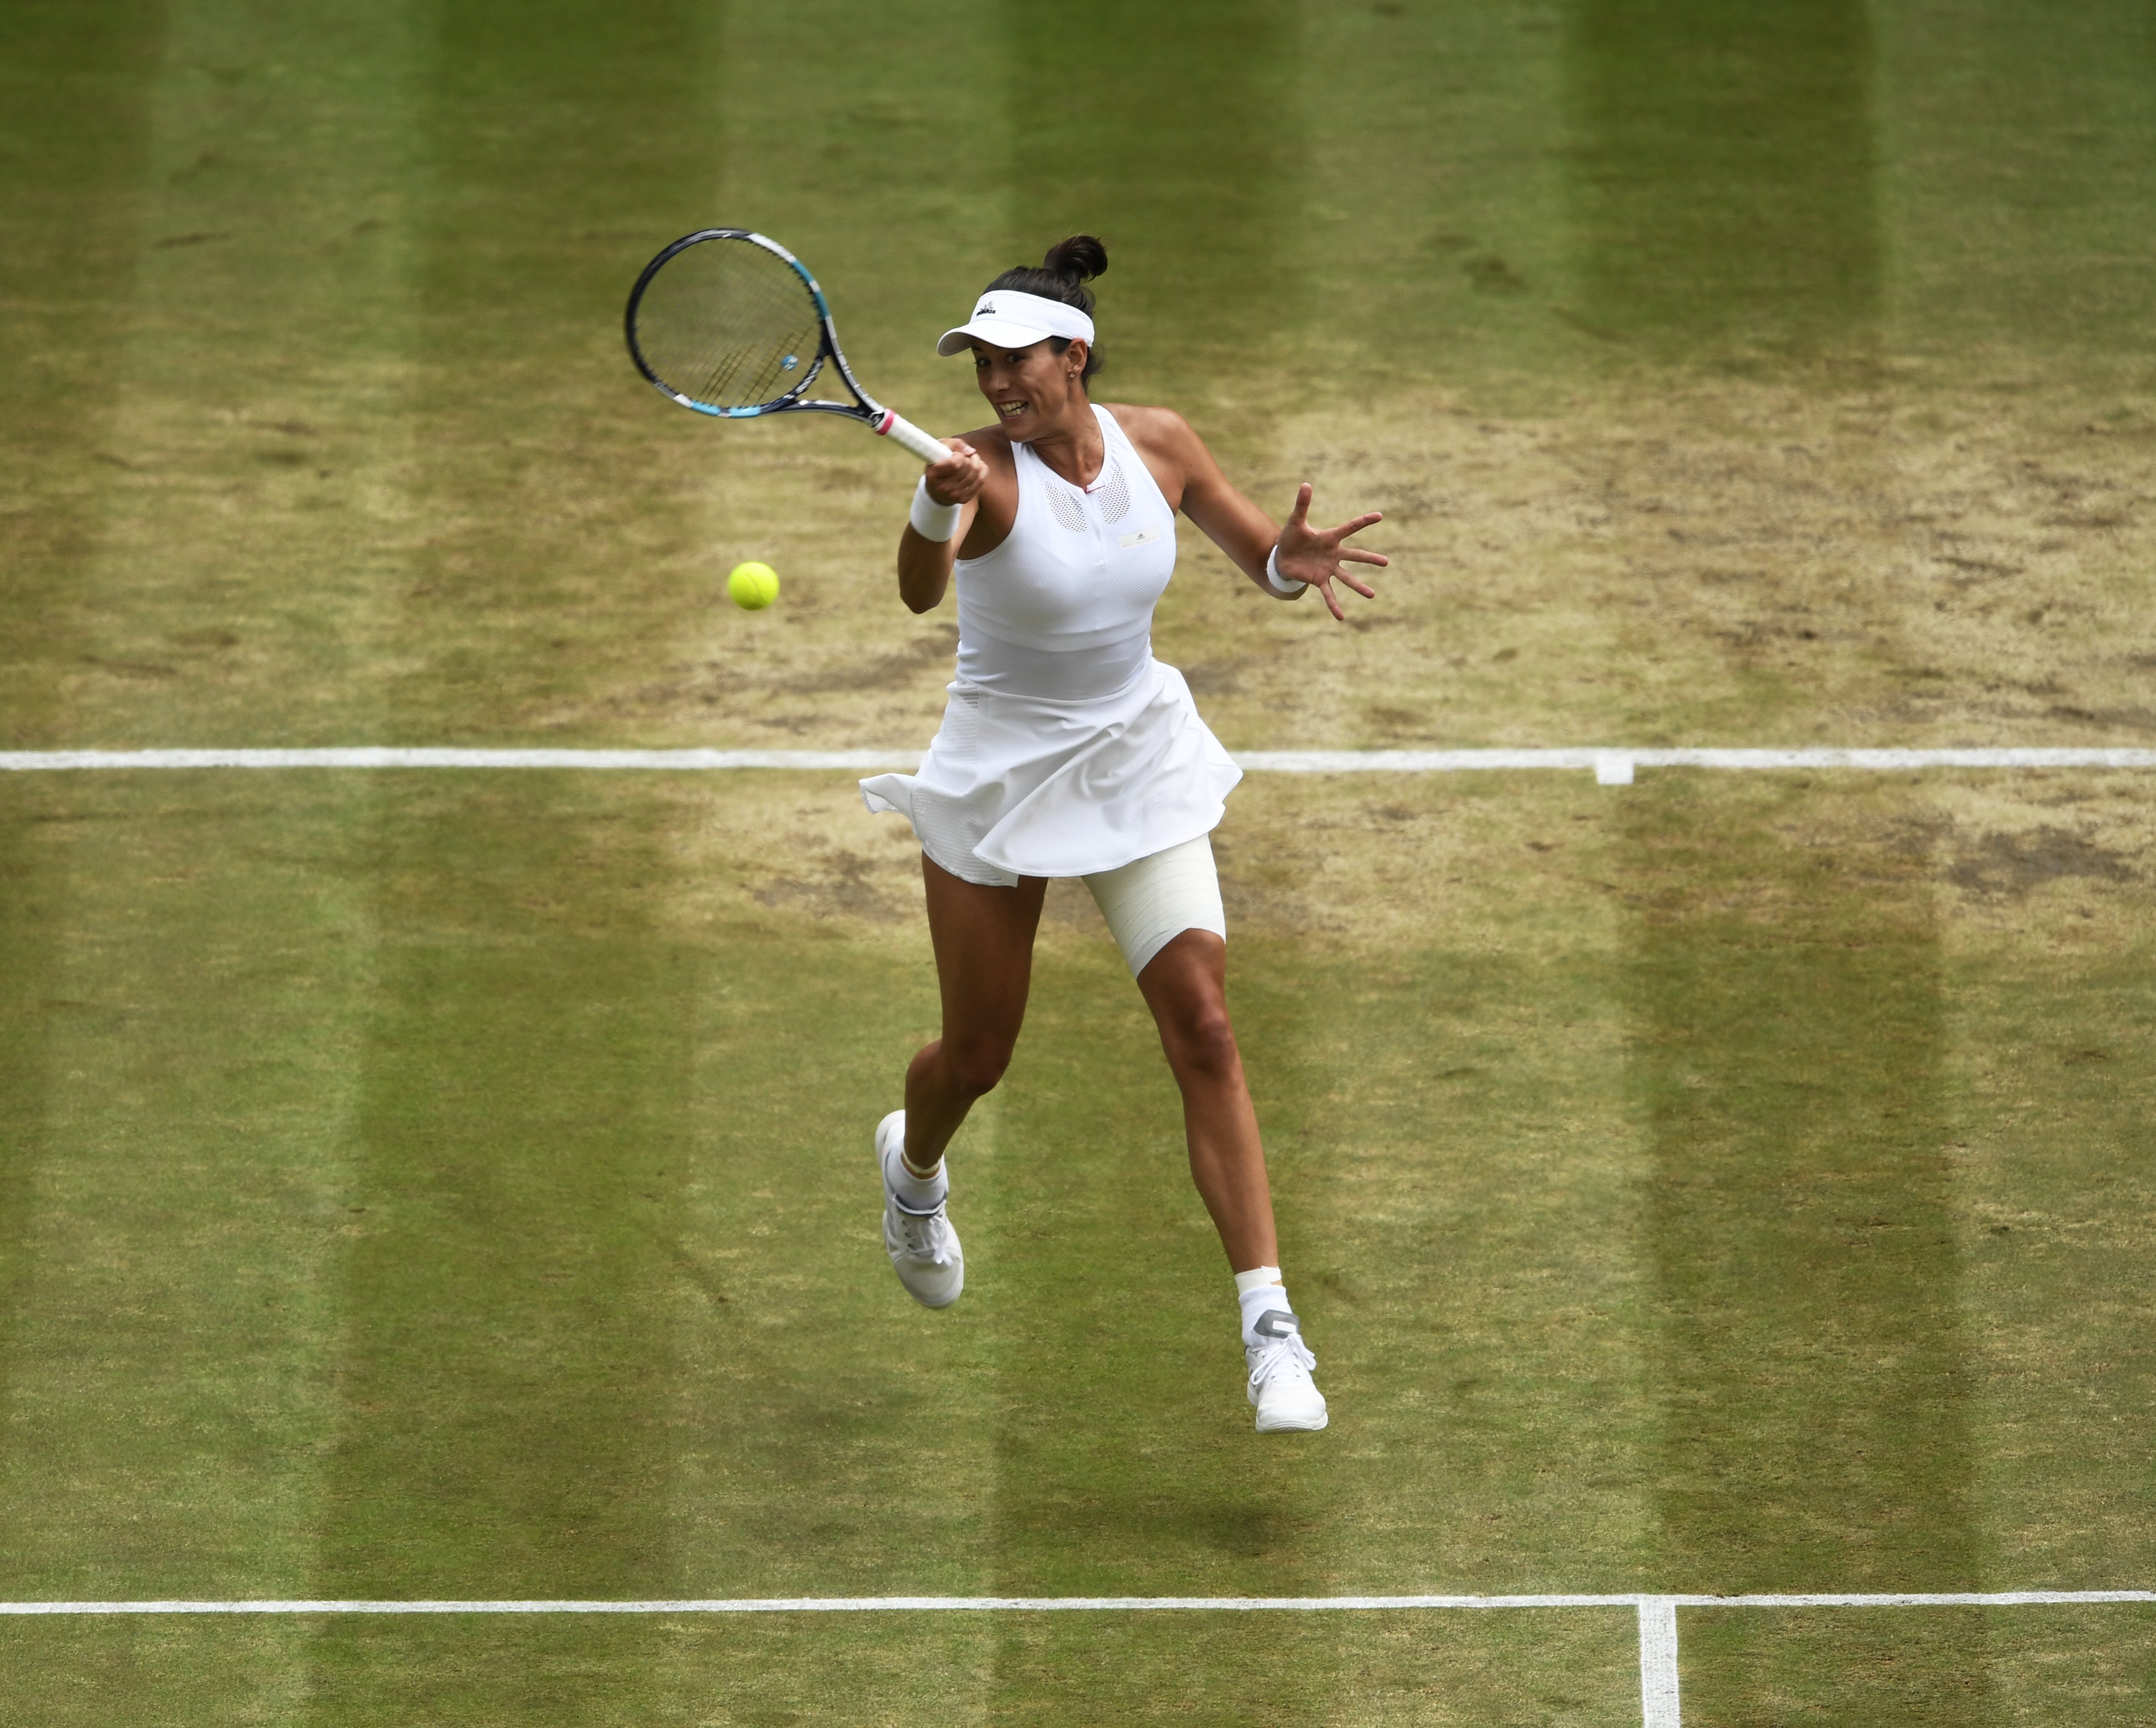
1152	900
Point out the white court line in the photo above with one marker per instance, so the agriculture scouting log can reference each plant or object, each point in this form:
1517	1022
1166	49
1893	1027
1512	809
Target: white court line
1612	764
1659	1705
842	1605
371	757
1065	1604
1656	1615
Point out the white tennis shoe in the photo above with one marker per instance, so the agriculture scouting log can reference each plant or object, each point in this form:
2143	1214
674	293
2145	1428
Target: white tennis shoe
923	1247
1287	1399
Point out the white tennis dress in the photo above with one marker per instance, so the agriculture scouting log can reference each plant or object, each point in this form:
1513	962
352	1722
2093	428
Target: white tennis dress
1066	750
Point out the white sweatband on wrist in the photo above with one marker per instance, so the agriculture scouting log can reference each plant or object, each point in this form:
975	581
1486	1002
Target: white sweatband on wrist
1286	590
932	520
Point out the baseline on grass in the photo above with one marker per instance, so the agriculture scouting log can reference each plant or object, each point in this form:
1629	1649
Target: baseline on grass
1660	1703
730	324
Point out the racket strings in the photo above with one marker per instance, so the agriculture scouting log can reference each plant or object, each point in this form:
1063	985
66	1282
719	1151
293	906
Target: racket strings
728	324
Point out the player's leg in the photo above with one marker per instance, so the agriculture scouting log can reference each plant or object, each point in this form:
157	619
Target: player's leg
984	941
1185	985
1165	911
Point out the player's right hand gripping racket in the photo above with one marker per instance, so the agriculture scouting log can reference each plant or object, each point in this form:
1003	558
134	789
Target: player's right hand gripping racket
732	324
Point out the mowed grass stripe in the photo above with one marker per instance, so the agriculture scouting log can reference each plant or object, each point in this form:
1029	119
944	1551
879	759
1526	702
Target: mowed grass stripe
1705	226
165	1351
165	1348
1461	1175
2054	1078
1966	120
1511	1671
1123	1458
522	1138
828	1426
68	241
508	1345
253	524
1814	1375
495	304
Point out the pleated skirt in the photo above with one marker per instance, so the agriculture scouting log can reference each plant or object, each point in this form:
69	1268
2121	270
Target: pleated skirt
1020	786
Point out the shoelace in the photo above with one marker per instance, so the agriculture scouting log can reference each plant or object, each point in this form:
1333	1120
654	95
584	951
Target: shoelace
1278	1354
925	1238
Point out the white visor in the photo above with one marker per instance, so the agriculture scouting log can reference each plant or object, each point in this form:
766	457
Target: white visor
1005	319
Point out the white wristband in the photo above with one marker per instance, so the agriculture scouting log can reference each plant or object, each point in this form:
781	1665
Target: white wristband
1286	590
932	520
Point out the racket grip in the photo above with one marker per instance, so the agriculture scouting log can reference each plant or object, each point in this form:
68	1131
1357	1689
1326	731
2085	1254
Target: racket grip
902	431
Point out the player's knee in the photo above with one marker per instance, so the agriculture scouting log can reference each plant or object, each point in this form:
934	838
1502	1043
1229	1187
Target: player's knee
1203	1042
976	1065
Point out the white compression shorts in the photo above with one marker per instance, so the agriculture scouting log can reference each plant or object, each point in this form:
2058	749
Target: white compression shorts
1151	901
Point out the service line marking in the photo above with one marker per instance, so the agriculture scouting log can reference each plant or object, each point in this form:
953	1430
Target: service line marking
1612	765
1062	1604
1656	1615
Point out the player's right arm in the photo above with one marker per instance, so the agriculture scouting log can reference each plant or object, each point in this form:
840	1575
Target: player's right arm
980	478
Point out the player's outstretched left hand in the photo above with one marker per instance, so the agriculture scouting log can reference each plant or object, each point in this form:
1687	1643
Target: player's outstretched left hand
1316	555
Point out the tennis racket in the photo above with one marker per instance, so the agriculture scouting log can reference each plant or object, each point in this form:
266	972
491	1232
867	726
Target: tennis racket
732	325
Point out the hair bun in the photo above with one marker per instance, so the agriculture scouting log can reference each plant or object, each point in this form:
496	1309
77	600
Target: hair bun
1080	258
1062	275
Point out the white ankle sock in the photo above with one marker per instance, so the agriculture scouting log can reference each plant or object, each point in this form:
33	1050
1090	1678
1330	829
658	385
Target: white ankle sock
1260	1292
916	1194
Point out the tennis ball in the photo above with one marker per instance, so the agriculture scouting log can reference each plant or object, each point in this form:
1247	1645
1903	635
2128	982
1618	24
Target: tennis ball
753	586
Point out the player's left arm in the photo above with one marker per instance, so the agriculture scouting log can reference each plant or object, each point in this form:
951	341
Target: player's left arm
1239	527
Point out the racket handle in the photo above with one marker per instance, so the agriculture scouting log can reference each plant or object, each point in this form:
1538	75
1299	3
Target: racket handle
902	431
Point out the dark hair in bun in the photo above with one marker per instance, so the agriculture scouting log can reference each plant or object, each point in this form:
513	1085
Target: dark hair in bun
1062	275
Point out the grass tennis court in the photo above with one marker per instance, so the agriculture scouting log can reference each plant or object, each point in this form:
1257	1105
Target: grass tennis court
457	1185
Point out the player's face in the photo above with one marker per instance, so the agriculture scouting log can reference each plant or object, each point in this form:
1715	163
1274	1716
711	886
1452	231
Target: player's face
1030	388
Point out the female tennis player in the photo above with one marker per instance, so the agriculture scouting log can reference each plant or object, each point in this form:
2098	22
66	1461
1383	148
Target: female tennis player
1068	750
